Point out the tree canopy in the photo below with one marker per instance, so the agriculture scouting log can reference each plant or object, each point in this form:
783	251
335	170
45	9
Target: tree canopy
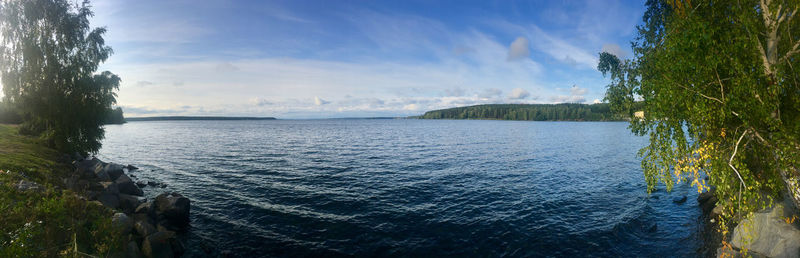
720	97
49	55
531	112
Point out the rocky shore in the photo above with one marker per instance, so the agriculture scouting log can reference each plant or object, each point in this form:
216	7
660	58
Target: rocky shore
148	227
768	233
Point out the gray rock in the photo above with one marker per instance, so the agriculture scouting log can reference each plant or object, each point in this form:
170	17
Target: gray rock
766	233
172	209
28	186
85	168
128	203
109	187
109	200
141	183
99	170
146	207
132	250
131	167
127	186
114	170
122	222
158	244
144	228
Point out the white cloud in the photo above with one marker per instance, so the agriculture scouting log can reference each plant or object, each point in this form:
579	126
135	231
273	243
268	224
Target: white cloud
319	102
575	90
519	49
597	101
260	102
568	99
454	92
411	107
614	49
519	93
490	93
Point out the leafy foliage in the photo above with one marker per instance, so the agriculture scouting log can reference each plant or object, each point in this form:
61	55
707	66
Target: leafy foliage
48	55
114	117
720	97
533	112
50	223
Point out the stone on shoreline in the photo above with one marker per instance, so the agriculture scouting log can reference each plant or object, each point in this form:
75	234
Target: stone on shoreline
172	210
768	234
122	222
158	244
144	228
127	186
128	203
114	170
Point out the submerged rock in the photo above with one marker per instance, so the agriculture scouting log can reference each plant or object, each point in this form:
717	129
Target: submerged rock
679	200
768	234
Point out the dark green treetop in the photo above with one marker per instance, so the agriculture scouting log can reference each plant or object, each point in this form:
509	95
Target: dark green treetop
49	55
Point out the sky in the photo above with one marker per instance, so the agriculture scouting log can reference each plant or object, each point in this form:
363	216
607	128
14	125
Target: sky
326	59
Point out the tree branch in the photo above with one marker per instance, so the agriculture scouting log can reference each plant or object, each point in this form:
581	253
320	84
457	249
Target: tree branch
735	149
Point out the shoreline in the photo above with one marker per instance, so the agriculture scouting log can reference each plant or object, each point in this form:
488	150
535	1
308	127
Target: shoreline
148	227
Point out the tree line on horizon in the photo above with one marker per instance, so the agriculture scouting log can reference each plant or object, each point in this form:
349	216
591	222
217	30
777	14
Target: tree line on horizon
529	112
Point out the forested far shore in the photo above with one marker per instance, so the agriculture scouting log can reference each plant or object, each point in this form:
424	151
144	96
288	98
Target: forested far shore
528	112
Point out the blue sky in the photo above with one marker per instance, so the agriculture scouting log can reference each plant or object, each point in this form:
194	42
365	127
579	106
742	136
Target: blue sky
320	59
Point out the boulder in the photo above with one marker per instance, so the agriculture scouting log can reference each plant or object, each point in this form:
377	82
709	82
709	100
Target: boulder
768	234
122	222
127	186
128	203
146	207
177	247
144	228
108	199
141	184
158	244
28	186
85	168
172	210
113	170
131	167
109	187
679	200
132	250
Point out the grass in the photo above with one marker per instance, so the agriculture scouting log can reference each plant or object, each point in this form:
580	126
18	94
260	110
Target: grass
54	222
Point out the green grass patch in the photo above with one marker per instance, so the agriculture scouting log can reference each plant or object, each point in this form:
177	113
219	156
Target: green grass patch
55	222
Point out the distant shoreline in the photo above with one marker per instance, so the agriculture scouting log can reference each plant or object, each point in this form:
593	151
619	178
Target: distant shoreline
193	118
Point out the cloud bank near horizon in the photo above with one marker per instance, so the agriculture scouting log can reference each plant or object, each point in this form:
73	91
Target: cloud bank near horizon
353	61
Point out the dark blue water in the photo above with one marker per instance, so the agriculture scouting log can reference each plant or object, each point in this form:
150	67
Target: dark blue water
410	187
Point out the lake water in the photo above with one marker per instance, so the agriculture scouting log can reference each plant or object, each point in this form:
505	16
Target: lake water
410	187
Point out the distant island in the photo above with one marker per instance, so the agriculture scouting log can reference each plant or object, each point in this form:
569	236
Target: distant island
528	112
172	118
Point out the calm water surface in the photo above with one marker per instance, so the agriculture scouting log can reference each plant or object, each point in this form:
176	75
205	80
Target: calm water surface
409	187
